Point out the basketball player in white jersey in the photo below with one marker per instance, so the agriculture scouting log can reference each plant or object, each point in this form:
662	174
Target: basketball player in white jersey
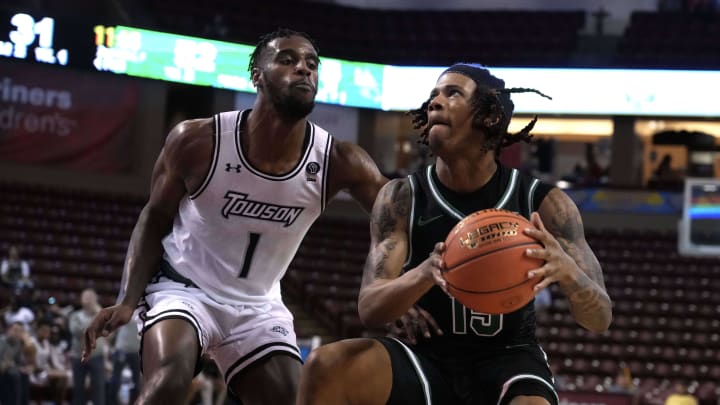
232	197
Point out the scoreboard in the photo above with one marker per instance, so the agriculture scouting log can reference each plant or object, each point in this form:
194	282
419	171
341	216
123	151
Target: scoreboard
124	50
44	39
198	61
170	57
177	58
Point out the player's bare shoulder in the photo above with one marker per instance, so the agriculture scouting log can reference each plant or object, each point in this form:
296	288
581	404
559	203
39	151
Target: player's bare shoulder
190	134
189	148
392	207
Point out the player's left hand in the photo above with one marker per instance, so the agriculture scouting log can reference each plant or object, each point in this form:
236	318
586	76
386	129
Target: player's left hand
416	321
559	266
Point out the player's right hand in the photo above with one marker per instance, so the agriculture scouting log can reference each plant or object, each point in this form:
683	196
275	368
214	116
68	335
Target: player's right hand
415	322
106	322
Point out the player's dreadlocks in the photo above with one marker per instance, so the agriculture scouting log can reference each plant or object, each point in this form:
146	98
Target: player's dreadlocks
279	33
490	97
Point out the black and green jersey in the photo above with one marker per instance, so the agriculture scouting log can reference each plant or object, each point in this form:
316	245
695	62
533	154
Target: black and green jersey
435	211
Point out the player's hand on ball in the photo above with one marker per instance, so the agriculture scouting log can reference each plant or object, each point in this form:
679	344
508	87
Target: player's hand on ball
415	322
105	322
559	266
434	266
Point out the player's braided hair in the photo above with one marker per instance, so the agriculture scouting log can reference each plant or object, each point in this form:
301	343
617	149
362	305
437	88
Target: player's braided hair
279	33
490	97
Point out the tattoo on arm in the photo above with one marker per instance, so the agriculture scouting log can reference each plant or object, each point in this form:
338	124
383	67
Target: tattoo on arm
393	207
390	212
589	302
566	226
385	250
586	298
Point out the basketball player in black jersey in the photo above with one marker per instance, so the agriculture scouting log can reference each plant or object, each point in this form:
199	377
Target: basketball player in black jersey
474	358
274	134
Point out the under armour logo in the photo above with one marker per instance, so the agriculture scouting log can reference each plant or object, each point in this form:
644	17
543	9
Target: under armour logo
229	167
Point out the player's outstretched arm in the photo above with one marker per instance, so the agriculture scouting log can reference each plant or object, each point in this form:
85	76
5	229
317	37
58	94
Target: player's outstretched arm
353	169
180	161
569	261
385	294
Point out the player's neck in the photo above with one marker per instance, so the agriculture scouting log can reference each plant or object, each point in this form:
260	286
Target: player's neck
267	137
466	175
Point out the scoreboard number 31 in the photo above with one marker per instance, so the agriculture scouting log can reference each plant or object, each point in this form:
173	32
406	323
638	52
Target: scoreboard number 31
28	32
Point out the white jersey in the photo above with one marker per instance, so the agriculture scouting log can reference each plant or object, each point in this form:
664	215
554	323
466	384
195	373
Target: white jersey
235	236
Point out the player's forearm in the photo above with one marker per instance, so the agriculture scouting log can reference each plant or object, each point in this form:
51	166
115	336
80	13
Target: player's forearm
589	303
386	300
143	257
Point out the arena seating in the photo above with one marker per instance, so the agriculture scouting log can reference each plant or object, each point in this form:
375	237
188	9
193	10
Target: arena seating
500	38
670	40
666	324
74	239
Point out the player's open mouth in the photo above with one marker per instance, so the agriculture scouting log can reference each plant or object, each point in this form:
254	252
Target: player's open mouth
433	121
439	123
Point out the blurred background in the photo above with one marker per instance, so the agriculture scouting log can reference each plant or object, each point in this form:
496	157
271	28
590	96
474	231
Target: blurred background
89	89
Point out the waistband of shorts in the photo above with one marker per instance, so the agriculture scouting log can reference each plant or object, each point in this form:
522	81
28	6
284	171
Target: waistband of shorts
167	270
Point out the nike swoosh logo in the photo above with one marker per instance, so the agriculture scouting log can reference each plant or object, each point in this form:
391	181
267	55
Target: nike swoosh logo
423	222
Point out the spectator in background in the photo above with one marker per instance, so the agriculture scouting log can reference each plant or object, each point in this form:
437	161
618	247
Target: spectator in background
18	313
49	311
95	365
14	271
51	368
664	169
595	174
665	176
623	383
681	396
14	381
127	353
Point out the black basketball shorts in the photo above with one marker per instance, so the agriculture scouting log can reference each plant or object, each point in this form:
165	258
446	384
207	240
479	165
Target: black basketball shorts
479	378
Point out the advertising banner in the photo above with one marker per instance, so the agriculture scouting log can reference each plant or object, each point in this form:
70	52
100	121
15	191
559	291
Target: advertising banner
64	118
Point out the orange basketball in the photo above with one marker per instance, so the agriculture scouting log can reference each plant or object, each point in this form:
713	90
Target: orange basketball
486	262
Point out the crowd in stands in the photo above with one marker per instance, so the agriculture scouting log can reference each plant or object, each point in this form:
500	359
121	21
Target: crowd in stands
41	342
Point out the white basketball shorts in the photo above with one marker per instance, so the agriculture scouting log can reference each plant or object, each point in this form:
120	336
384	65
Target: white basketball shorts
234	336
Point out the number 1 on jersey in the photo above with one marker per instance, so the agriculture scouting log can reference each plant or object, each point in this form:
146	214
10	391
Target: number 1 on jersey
252	244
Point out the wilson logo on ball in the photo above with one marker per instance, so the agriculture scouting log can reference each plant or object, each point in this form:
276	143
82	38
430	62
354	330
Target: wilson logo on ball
489	233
